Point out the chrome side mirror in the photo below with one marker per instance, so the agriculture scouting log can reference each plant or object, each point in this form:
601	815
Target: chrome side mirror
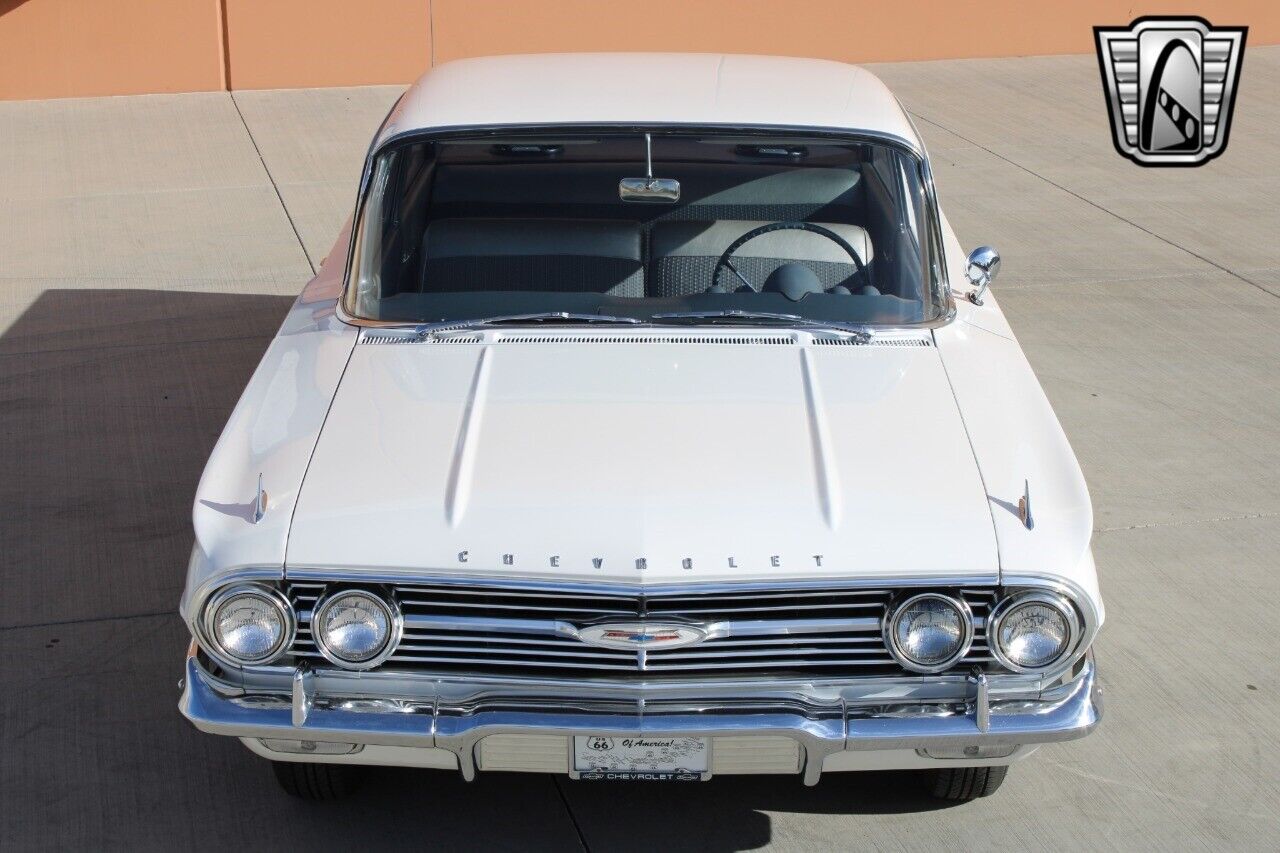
984	265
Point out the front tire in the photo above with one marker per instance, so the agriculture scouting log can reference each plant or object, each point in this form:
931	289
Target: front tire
965	784
319	782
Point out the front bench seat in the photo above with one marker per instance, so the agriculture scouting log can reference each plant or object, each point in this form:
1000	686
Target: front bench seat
684	254
556	255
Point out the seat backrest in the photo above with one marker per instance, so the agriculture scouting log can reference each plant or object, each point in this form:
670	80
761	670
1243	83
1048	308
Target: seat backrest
590	191
558	255
683	255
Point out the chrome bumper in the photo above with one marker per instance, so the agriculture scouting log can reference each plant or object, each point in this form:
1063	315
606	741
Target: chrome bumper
821	725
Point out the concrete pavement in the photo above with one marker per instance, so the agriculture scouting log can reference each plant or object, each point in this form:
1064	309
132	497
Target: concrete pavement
150	245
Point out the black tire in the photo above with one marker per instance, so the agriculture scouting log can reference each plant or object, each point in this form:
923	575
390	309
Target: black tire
964	784
315	781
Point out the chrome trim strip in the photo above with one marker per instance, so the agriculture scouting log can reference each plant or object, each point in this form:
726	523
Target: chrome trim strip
415	577
563	628
407	684
533	627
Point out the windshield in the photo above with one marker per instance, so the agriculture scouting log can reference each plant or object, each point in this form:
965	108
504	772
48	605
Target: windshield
665	228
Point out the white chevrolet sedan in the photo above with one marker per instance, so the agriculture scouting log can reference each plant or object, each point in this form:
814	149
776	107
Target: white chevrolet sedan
647	422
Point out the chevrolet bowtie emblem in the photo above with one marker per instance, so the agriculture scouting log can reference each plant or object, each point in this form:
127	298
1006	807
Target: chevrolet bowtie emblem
634	636
1170	85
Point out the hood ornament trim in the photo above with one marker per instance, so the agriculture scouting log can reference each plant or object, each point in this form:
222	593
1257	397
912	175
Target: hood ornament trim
1024	506
259	502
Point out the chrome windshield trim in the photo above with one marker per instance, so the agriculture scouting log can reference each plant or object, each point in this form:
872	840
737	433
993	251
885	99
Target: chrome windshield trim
912	148
539	319
796	321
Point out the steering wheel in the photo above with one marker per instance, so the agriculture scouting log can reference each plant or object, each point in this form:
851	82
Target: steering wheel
726	260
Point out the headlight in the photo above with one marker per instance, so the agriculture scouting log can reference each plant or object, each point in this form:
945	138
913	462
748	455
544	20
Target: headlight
249	623
929	632
1032	631
356	629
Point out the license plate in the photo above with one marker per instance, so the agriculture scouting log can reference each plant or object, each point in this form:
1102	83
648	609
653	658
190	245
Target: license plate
650	759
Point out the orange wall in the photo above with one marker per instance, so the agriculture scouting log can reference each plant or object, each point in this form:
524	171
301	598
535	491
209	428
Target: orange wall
68	48
62	48
275	44
849	30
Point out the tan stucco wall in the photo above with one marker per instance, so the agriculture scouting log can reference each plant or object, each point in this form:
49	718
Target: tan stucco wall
277	44
66	48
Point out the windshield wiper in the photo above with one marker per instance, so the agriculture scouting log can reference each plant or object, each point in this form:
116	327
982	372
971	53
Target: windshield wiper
551	317
858	332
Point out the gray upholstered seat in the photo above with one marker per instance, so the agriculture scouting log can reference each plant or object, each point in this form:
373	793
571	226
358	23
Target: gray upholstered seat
683	255
564	255
590	191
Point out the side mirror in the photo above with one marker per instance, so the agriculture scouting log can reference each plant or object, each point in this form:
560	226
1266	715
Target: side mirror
984	264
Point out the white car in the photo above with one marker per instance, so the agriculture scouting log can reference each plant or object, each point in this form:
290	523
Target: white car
647	422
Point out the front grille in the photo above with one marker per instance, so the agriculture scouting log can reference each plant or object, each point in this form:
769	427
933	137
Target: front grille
513	631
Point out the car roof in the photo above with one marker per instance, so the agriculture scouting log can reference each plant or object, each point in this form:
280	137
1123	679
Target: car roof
649	88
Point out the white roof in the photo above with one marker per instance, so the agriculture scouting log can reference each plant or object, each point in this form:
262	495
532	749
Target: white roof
650	88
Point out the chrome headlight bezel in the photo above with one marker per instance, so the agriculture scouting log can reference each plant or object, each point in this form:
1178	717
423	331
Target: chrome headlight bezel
895	611
273	597
395	626
1011	602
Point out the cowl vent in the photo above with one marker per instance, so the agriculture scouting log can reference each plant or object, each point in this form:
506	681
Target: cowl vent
396	338
874	342
495	338
646	339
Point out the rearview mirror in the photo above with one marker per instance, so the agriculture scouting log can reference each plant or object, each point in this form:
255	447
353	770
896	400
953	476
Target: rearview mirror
984	264
649	189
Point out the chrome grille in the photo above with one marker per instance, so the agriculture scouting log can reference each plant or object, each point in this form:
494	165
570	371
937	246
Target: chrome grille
520	631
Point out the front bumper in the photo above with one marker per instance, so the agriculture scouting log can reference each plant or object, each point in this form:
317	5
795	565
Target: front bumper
822	724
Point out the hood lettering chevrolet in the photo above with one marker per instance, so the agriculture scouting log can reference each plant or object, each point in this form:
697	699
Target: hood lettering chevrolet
641	563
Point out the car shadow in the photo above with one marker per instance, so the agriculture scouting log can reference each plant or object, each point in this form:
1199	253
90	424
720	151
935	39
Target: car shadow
110	402
725	814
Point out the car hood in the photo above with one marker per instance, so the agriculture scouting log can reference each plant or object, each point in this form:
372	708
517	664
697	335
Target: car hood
638	459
